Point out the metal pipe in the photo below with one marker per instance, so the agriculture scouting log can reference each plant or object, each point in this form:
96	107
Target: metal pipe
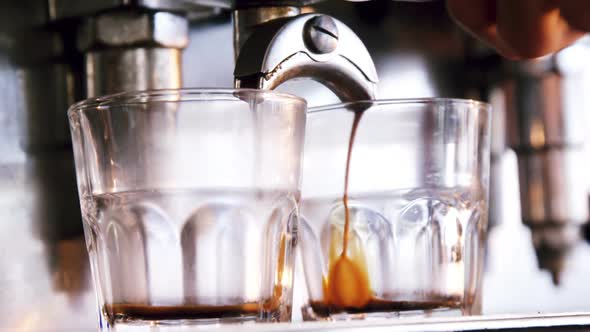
146	54
546	129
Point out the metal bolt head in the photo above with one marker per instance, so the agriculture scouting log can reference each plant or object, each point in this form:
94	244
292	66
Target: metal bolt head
320	34
126	28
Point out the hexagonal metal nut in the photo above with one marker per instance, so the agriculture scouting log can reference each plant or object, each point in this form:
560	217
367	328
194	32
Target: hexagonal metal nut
129	28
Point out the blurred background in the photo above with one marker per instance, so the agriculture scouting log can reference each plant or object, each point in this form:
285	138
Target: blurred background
55	52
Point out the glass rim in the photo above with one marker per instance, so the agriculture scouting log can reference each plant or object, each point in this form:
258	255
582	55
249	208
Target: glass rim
480	105
133	97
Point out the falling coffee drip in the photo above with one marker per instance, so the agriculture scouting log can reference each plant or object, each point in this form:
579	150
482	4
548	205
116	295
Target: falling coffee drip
348	281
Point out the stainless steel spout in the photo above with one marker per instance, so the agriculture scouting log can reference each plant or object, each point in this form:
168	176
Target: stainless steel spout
314	46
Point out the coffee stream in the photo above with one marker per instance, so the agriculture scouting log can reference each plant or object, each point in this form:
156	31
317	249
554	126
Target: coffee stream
348	281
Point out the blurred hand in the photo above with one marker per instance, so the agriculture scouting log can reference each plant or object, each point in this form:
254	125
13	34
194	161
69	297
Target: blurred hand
520	29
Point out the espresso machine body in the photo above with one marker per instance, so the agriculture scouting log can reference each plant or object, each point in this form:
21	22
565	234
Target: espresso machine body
56	52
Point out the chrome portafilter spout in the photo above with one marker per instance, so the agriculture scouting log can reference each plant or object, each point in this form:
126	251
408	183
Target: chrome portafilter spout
313	46
546	124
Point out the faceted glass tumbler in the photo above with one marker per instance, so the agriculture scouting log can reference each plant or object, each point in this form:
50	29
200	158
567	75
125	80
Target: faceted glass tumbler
417	208
190	204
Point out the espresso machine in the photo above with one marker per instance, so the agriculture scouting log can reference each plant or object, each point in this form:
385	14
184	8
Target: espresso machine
55	52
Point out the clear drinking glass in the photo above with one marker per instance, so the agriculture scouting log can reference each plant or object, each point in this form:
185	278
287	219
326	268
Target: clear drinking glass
189	202
417	208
